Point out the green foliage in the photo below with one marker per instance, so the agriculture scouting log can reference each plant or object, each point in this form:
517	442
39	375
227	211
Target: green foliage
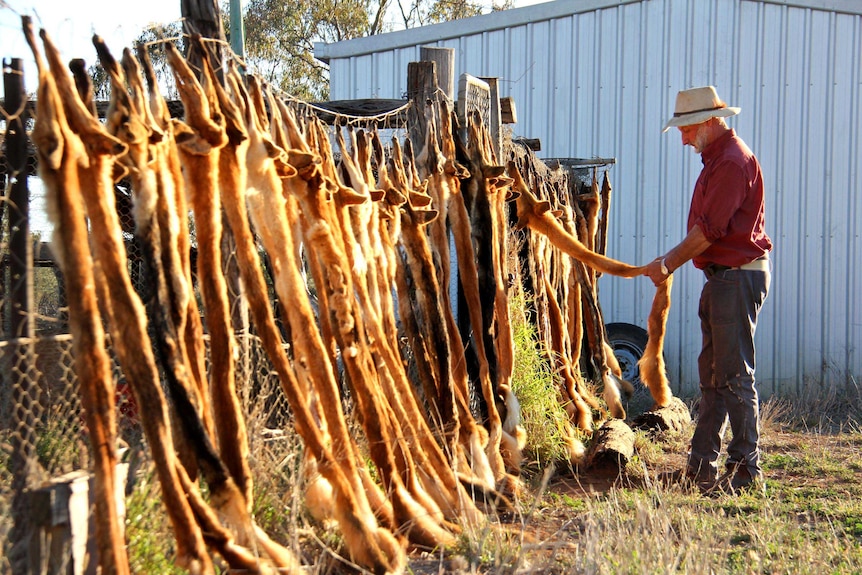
151	542
153	37
280	37
422	13
278	494
280	34
60	442
669	531
535	386
567	501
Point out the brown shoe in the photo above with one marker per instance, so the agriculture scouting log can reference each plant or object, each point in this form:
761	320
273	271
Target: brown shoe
721	486
685	479
737	481
743	482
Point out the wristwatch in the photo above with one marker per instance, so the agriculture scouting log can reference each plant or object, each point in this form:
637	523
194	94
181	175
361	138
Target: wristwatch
664	269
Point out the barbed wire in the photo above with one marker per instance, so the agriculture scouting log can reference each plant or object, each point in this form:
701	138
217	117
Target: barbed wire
9	118
340	117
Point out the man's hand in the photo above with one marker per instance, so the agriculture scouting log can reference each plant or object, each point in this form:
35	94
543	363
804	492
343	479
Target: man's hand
654	272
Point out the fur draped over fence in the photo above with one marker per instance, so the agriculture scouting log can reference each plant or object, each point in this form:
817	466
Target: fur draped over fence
342	240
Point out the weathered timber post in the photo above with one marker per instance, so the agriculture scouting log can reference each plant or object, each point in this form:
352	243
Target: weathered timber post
23	392
425	79
444	58
20	246
62	533
421	85
203	17
443	69
495	123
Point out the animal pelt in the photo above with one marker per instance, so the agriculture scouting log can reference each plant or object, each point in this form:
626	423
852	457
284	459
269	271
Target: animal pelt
536	214
428	309
235	555
425	461
476	276
367	544
204	135
579	411
173	212
445	175
201	135
231	428
433	469
127	322
652	368
62	153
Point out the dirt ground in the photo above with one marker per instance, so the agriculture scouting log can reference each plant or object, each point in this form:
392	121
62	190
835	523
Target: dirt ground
804	469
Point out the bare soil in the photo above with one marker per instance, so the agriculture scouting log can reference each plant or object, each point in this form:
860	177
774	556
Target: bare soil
803	469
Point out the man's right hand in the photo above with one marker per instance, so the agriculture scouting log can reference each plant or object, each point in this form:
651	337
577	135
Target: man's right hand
654	272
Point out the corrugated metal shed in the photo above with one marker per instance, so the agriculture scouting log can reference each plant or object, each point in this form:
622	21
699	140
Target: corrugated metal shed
599	78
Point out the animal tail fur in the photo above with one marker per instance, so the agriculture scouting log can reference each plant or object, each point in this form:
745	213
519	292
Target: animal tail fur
652	367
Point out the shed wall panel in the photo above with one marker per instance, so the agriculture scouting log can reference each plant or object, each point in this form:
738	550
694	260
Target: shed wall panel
599	79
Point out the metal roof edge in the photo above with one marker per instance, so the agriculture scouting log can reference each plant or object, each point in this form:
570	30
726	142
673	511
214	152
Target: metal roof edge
514	17
844	6
458	28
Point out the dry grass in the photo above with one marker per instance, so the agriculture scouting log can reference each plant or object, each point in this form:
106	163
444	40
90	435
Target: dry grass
809	521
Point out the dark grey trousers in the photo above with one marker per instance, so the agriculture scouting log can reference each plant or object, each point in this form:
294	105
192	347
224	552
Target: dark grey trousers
729	305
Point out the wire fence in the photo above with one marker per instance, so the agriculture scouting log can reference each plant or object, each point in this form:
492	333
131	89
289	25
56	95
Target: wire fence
43	434
42	429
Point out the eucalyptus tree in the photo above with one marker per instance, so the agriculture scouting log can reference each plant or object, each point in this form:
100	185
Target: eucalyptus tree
280	34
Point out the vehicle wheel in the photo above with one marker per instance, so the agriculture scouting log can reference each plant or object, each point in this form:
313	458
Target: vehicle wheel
628	342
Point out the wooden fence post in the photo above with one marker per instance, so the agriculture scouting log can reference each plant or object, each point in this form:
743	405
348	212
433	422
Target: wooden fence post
444	59
203	17
21	319
421	85
20	246
495	123
62	537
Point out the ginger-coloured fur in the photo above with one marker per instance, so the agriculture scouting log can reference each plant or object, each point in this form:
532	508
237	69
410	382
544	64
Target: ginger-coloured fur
536	215
368	544
61	154
652	367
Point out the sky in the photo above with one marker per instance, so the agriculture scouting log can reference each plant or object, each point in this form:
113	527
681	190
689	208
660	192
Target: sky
72	23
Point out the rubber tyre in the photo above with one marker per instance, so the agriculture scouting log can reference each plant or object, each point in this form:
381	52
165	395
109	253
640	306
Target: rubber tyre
628	342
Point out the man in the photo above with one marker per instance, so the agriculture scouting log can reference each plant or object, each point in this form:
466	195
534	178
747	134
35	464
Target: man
727	240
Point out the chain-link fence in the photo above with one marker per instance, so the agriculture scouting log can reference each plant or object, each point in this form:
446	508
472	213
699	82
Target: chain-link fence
42	429
43	434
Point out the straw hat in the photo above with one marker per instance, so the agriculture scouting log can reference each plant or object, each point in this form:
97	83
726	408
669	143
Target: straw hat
697	105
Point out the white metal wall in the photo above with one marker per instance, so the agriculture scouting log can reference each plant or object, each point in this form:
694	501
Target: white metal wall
599	78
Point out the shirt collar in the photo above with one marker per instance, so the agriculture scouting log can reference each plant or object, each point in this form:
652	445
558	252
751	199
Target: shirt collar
715	147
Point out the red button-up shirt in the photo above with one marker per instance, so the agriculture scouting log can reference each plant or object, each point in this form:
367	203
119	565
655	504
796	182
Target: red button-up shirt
727	204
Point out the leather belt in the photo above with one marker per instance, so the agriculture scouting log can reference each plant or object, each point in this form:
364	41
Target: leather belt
760	264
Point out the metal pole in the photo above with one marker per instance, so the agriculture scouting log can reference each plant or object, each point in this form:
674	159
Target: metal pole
237	28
